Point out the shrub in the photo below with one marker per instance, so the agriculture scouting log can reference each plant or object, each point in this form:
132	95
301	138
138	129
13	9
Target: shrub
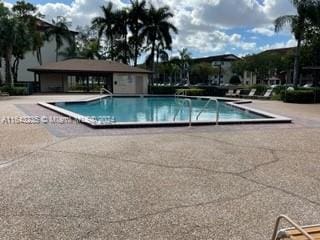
192	91
235	80
298	96
163	90
15	91
277	90
214	91
207	91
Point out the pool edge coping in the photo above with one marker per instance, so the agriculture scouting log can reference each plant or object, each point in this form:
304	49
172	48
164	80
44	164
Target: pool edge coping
269	117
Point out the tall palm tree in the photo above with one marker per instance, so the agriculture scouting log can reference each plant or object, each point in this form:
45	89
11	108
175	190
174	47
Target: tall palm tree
157	28
184	63
298	25
137	15
106	26
122	48
60	32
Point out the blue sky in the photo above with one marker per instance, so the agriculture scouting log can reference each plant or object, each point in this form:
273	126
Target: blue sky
206	27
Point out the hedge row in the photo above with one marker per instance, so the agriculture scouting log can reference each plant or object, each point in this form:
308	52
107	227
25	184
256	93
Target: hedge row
15	91
200	91
301	96
192	92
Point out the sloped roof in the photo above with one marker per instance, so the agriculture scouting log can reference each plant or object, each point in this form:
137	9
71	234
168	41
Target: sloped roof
43	25
279	50
87	66
225	58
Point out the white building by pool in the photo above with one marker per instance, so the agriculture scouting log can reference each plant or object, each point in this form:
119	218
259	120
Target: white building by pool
224	63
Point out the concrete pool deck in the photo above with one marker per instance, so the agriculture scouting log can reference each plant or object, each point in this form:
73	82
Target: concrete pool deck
68	181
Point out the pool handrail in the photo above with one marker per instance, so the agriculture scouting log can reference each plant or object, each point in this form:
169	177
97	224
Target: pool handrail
105	90
205	107
180	92
190	110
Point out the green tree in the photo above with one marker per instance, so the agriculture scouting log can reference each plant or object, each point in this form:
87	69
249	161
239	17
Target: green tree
60	32
16	39
157	28
105	26
122	48
137	16
298	25
185	63
235	80
28	13
6	45
30	39
201	72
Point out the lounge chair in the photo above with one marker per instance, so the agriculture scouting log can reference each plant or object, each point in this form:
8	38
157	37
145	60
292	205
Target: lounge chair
296	232
230	93
267	94
237	94
251	94
3	94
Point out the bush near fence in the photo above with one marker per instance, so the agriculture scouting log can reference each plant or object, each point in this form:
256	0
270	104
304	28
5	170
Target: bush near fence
301	96
15	91
204	91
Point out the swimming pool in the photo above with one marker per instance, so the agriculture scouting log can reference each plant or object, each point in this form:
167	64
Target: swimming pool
158	110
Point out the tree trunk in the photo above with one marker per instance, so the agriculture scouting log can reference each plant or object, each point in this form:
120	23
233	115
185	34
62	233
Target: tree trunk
8	57
136	53
152	63
15	67
39	55
296	73
57	54
112	50
157	65
127	60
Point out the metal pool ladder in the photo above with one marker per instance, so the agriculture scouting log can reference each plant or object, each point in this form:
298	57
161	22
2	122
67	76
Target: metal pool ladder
190	110
180	92
102	90
206	106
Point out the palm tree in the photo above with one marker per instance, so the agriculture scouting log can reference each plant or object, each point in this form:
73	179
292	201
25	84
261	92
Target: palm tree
70	52
60	32
137	15
184	63
106	26
122	48
157	28
298	25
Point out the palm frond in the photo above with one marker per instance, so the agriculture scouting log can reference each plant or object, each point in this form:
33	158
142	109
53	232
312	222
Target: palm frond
282	21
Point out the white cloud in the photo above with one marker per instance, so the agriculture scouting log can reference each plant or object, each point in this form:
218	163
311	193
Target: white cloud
290	43
263	31
205	26
80	12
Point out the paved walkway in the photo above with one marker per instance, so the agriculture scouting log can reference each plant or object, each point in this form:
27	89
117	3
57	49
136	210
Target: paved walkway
214	182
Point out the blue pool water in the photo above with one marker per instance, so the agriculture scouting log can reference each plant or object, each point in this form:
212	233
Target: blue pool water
154	109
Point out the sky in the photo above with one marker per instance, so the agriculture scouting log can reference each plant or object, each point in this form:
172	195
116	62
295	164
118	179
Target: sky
206	27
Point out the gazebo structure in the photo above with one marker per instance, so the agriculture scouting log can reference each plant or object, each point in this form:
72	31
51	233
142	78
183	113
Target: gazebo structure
82	75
